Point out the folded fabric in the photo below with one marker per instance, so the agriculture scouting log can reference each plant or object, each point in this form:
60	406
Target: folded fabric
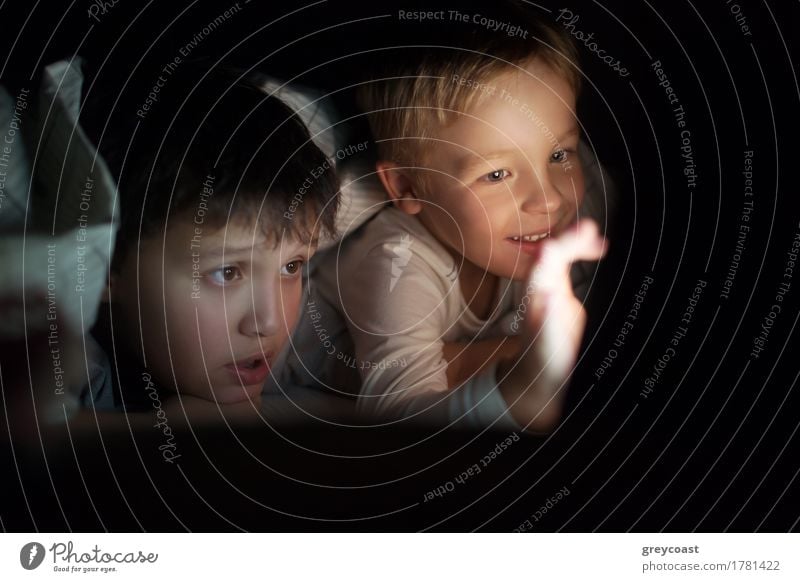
59	221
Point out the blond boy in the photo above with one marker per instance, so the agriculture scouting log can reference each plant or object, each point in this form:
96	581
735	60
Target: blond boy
457	299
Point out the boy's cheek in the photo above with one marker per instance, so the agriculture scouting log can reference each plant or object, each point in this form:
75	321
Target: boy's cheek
205	324
291	313
289	302
570	188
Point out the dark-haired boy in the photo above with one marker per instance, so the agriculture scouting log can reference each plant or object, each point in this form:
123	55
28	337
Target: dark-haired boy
206	279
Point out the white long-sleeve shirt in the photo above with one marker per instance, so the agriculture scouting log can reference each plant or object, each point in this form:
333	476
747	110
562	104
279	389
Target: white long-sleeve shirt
381	306
397	289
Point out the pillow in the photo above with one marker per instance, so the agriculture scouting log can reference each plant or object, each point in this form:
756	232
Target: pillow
362	194
59	220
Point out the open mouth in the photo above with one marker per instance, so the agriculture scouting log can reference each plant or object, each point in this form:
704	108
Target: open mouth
529	244
250	371
530	237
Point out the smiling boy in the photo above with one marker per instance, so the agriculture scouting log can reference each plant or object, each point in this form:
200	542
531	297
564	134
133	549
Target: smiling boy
478	154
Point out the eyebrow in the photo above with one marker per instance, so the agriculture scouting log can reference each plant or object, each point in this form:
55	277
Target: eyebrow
472	160
220	251
247	249
574	131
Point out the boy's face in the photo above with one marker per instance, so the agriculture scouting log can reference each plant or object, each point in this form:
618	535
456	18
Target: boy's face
506	173
213	307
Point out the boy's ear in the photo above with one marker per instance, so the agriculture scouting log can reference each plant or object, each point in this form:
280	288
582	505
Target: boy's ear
400	185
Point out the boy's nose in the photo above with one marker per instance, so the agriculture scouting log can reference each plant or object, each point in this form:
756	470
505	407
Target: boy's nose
262	316
542	197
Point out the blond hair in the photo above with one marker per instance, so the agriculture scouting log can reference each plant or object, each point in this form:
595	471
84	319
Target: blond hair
415	98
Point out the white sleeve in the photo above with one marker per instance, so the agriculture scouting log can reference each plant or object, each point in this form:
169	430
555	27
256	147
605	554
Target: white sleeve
478	403
397	315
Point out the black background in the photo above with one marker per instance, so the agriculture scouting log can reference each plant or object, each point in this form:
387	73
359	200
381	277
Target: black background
713	448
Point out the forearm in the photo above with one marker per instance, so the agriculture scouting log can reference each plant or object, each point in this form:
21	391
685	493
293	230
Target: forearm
466	359
534	398
178	413
534	387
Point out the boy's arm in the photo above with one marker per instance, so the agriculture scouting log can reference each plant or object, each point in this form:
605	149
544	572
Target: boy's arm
467	359
398	331
176	412
533	386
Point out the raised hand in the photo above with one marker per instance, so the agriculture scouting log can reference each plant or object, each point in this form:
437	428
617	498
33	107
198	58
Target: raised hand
533	386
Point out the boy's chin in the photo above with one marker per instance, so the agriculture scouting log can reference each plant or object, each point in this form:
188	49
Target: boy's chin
519	272
234	394
228	394
519	276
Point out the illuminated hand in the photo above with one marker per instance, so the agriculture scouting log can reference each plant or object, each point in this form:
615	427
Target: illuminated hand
553	329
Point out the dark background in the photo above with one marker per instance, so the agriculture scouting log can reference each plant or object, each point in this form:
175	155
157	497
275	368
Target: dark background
714	446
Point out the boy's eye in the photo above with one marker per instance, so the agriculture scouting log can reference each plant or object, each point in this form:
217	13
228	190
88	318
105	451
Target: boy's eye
496	176
559	156
292	267
225	275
